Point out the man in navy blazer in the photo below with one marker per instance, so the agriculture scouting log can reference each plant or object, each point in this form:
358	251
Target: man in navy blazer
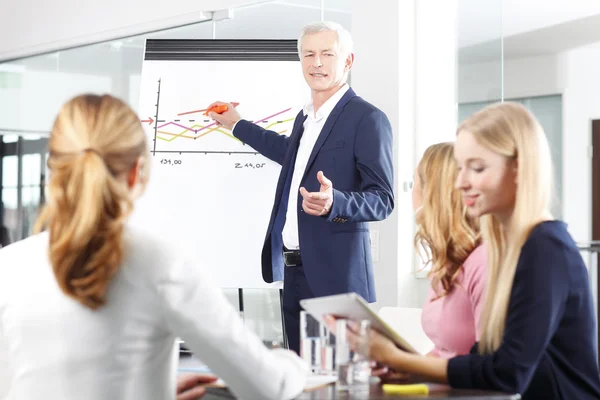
336	175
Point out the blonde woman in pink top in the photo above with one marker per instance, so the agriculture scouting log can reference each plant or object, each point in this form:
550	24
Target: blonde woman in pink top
449	241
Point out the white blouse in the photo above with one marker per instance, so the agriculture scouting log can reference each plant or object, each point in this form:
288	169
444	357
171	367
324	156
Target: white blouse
52	347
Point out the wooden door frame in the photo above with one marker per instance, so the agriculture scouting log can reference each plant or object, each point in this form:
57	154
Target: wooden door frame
596	207
596	179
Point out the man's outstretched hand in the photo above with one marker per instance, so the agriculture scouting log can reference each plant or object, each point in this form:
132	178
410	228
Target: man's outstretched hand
318	203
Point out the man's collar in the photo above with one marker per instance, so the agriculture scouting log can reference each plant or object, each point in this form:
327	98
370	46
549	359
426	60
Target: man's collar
328	106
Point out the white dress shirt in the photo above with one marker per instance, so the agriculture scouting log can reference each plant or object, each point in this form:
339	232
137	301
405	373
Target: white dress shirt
58	349
312	129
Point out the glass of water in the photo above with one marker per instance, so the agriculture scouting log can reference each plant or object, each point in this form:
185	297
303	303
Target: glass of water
310	341
360	357
352	365
343	357
327	351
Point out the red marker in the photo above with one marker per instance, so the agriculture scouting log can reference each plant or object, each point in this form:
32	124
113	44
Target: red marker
219	109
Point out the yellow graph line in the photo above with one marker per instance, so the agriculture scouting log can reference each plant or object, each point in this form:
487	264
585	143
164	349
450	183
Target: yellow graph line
216	129
172	134
181	134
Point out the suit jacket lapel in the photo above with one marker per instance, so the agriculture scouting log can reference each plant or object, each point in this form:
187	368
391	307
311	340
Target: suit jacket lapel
283	184
333	116
290	157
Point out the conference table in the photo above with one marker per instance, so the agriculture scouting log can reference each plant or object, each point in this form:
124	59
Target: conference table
374	391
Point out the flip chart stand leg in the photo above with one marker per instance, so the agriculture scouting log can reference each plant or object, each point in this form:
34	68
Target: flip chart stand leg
285	340
241	302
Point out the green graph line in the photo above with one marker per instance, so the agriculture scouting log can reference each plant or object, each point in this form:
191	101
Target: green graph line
180	135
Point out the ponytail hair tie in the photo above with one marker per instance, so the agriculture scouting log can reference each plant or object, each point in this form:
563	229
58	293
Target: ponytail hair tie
91	150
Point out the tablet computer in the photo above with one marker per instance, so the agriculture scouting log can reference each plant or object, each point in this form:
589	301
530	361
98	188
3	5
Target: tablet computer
354	307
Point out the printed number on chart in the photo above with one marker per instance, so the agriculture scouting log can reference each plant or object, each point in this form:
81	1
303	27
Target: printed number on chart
250	165
170	161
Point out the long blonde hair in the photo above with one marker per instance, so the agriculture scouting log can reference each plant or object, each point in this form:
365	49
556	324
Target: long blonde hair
444	230
510	130
95	140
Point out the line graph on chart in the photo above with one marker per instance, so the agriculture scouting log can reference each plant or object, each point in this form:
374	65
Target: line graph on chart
177	131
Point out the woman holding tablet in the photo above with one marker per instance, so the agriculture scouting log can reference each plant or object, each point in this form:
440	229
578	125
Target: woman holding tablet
538	325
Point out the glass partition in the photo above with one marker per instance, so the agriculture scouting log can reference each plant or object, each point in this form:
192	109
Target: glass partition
480	51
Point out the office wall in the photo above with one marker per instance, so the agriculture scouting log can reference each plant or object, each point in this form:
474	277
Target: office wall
371	57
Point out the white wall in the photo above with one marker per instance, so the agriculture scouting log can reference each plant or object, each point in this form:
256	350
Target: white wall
436	72
411	76
373	54
34	26
435	104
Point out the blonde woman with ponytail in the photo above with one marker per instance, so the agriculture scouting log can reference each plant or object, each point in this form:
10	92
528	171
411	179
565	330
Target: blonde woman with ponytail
90	307
538	325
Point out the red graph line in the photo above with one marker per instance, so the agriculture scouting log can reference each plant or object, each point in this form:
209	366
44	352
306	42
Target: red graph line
233	103
192	112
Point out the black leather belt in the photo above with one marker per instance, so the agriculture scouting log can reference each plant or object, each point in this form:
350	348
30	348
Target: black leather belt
291	258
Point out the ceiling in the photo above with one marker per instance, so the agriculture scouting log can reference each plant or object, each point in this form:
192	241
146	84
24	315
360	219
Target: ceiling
529	28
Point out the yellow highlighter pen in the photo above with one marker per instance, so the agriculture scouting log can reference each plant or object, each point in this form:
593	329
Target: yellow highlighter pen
419	388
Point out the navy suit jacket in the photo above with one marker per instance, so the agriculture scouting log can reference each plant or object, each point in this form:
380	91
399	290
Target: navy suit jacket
354	150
